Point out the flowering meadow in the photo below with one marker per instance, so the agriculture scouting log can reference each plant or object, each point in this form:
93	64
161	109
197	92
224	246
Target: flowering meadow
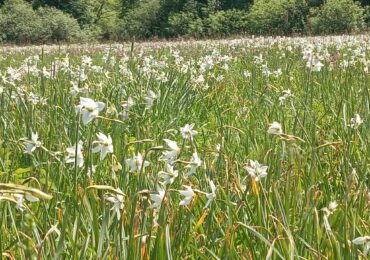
253	148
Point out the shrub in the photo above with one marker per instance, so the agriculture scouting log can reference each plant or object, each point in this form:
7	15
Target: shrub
185	23
57	25
141	21
367	16
337	16
223	23
277	16
19	22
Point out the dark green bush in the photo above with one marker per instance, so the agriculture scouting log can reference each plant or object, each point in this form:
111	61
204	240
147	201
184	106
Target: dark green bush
185	23
19	22
277	17
224	23
141	21
57	25
337	16
367	16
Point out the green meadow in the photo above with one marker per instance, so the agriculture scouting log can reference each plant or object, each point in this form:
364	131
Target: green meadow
252	148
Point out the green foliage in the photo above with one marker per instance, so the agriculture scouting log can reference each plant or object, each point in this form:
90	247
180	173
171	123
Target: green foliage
57	25
141	21
185	24
225	23
278	17
337	16
19	22
367	16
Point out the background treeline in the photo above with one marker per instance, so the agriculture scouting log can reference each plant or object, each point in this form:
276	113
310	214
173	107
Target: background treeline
29	21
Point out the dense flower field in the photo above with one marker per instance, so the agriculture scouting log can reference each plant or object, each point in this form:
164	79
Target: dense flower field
239	149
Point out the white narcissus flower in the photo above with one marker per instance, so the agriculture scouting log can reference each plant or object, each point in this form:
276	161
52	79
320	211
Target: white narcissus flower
169	175
149	99
247	74
314	64
19	198
73	157
275	129
136	162
356	121
187	131
126	107
118	202
172	153
128	104
286	95
33	144
89	109
193	165
256	170
330	209
363	240
157	198
211	196
188	195
104	145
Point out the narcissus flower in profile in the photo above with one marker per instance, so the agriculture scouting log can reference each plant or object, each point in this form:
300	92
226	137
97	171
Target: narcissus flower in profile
103	146
193	165
286	95
275	128
256	170
75	154
118	202
188	195
187	131
157	198
136	162
363	240
33	143
89	109
170	155
149	99
211	196
169	175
